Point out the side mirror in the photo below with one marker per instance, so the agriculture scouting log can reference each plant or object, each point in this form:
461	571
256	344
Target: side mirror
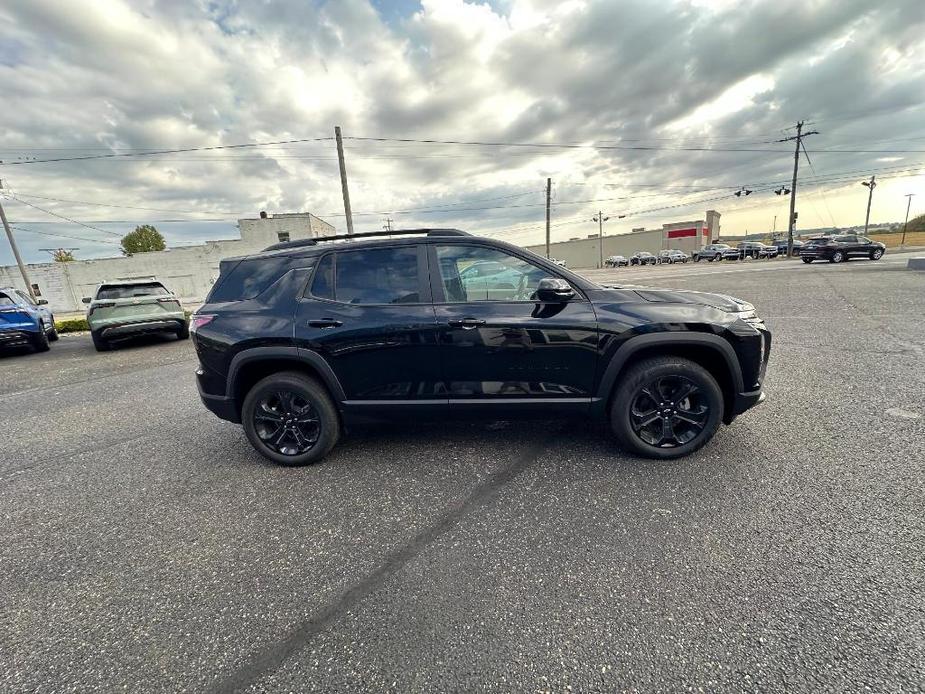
554	290
41	302
86	300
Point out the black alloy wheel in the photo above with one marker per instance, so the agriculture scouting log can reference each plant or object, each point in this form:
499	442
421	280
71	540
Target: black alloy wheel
669	411
286	423
666	407
289	418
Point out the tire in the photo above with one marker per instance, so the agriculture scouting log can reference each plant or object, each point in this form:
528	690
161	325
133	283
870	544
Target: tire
876	254
293	395
807	260
183	332
40	341
99	343
664	377
53	333
837	257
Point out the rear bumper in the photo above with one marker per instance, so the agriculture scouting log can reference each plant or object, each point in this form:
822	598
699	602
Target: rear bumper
141	328
17	336
221	406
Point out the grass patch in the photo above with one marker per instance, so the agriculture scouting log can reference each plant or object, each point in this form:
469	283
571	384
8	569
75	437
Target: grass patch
71	325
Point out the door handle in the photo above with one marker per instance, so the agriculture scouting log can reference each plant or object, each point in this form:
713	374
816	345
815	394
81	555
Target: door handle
325	323
466	323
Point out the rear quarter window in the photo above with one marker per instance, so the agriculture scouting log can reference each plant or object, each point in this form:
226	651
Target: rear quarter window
251	276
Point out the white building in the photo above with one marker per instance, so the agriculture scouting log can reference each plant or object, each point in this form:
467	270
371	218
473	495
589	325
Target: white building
189	272
586	252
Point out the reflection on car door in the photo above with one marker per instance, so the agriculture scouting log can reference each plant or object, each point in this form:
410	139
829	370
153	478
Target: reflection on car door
498	345
369	315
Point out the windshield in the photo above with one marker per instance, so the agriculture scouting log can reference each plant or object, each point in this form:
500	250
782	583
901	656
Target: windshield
131	291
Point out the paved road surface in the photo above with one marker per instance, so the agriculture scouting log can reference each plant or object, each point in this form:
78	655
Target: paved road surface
144	546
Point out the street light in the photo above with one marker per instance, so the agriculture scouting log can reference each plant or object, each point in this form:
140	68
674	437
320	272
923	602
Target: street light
600	219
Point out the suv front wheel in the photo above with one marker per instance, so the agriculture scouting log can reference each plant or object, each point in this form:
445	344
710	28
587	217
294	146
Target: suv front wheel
290	419
666	407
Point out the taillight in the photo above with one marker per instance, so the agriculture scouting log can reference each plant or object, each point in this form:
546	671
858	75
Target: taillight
101	304
198	320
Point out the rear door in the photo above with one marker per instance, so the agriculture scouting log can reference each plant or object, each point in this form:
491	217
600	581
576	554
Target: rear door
368	313
499	346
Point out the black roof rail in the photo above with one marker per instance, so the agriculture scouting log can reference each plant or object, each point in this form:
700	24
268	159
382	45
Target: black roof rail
365	235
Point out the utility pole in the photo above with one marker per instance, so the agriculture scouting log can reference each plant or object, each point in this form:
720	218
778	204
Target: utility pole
388	224
548	195
600	219
793	184
909	197
9	235
343	178
871	184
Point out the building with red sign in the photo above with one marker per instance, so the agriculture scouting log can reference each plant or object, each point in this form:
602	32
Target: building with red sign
586	251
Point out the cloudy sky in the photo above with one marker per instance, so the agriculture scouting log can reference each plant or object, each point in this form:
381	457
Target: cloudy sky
654	110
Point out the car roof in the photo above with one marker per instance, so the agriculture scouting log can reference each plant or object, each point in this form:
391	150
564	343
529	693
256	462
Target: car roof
150	280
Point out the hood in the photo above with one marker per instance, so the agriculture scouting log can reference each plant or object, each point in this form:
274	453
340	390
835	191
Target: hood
723	302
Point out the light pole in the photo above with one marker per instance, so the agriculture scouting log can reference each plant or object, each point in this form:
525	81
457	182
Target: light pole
909	197
871	184
600	219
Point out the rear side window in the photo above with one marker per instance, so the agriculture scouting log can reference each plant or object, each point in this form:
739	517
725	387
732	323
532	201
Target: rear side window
128	291
374	276
252	276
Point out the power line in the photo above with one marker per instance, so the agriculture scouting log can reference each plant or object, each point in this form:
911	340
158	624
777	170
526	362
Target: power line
55	214
162	151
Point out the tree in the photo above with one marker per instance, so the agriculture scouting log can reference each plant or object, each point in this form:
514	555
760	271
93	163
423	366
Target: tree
62	255
917	223
144	239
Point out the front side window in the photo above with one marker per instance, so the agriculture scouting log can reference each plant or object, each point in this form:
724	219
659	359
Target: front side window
323	282
474	273
6	300
377	276
847	239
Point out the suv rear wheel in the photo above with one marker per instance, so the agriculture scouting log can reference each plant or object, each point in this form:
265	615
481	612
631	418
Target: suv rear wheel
40	341
837	257
290	419
666	407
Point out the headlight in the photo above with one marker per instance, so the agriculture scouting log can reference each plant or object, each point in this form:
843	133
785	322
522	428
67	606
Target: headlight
747	318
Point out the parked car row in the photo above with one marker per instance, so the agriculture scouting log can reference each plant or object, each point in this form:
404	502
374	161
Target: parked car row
116	311
646	258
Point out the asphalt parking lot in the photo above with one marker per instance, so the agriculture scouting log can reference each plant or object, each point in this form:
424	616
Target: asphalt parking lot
146	547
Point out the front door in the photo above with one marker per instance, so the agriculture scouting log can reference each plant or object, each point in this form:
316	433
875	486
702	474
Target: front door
498	344
368	313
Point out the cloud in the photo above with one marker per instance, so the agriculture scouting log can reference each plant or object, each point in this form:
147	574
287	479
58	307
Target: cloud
115	76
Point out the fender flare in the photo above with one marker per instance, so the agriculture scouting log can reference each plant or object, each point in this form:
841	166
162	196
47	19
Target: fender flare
306	356
633	345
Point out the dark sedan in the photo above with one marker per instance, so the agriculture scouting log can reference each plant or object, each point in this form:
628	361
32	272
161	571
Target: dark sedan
837	249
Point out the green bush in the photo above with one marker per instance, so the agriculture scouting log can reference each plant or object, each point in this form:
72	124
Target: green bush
71	325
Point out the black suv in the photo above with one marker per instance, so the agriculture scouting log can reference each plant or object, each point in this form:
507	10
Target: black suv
837	249
306	337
